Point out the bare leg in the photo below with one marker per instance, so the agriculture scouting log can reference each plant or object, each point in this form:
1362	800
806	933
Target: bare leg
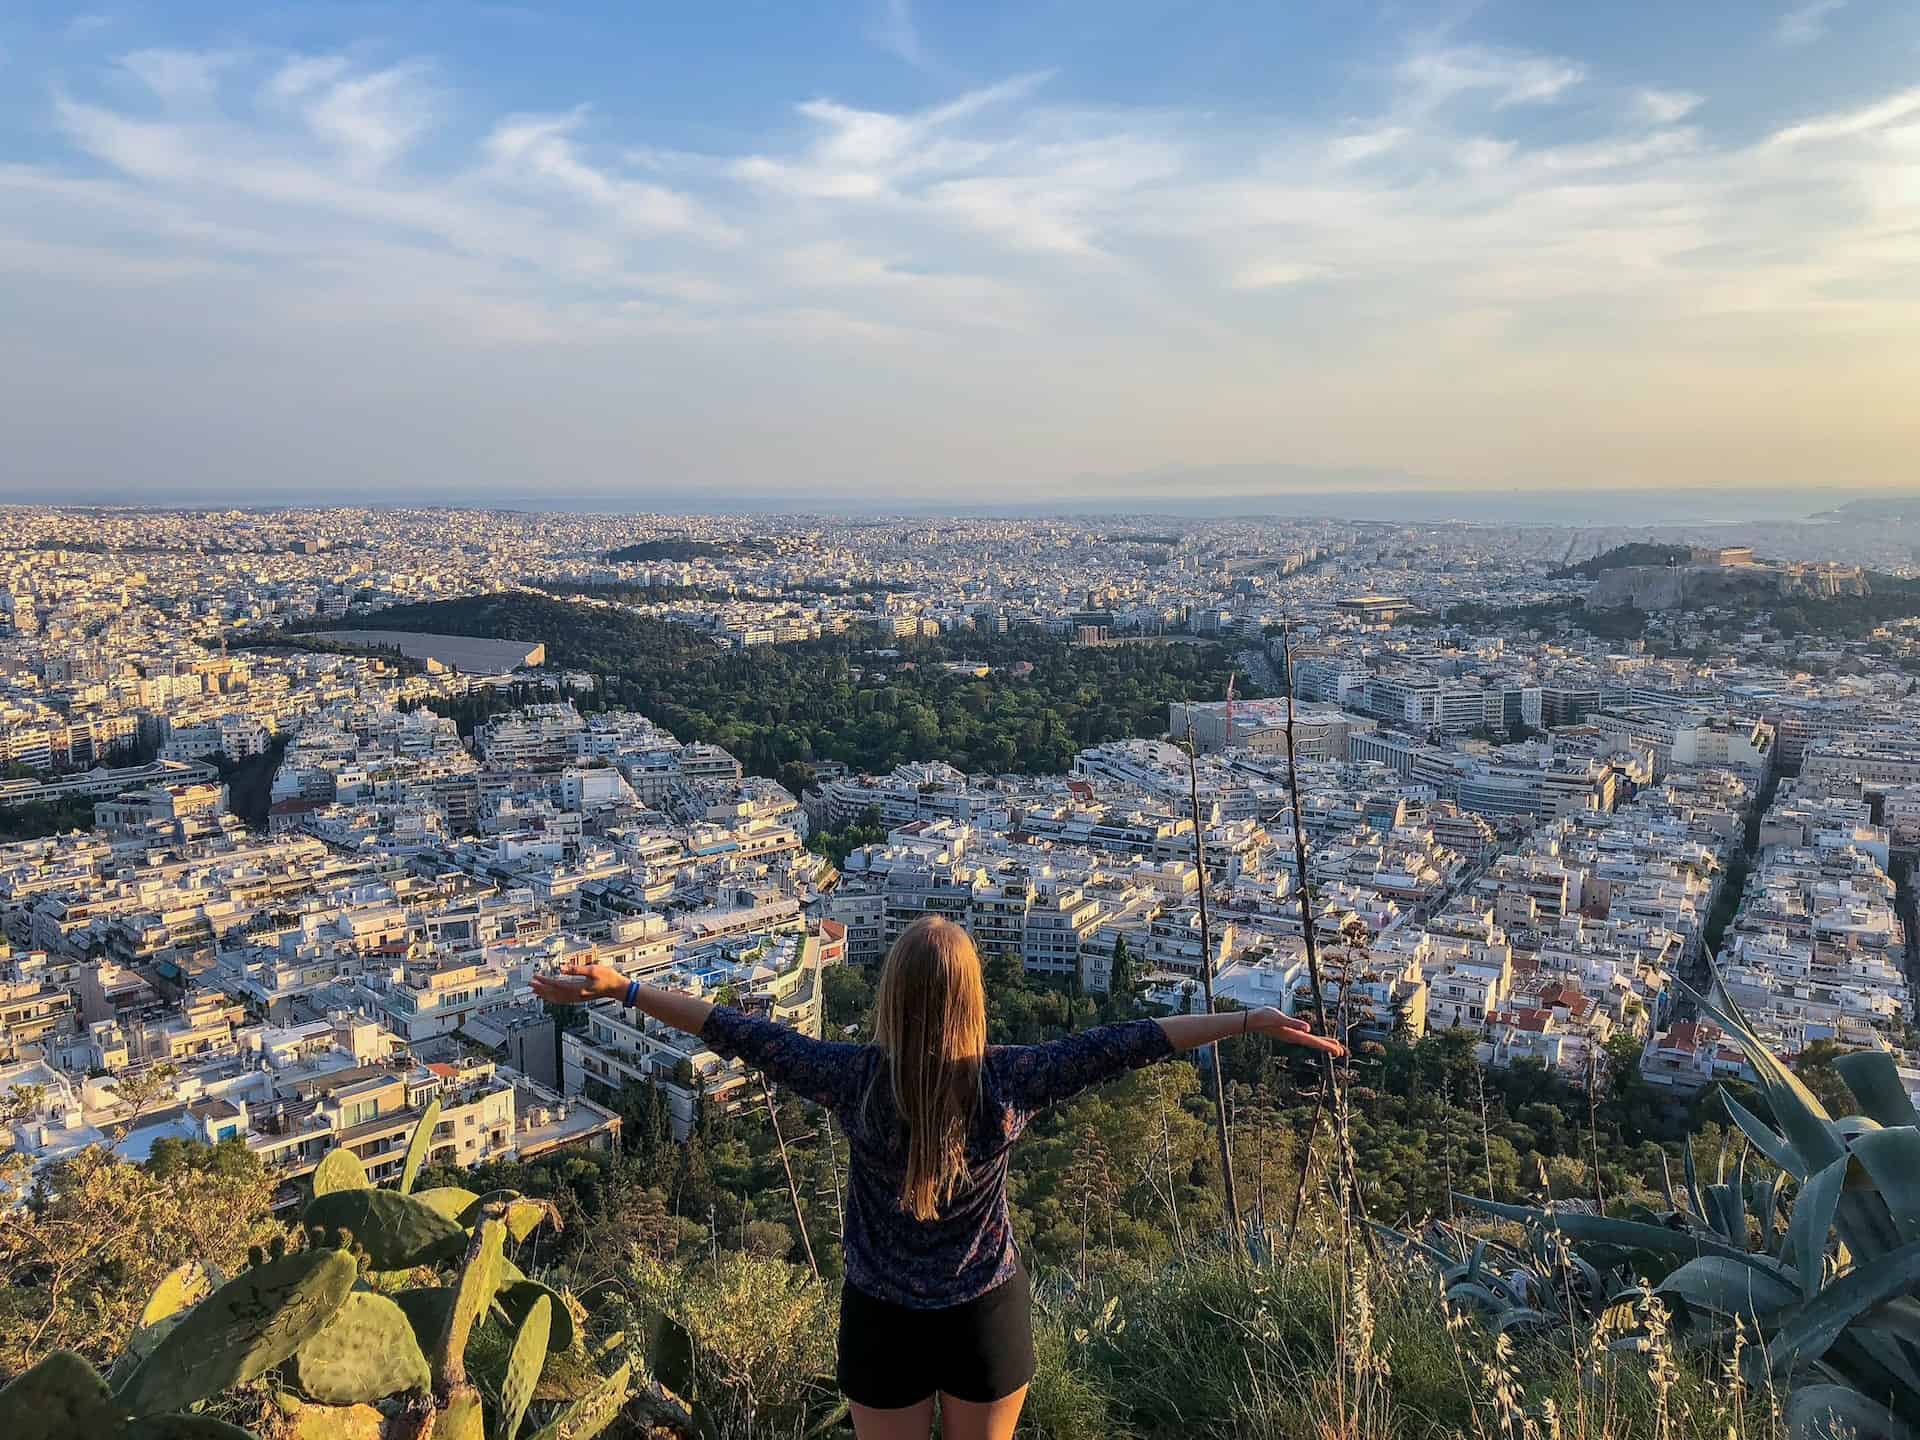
965	1420
914	1422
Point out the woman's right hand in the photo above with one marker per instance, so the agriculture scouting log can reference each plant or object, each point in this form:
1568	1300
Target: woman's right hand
580	982
1289	1031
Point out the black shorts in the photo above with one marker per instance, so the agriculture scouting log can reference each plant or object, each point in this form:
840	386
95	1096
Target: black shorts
979	1350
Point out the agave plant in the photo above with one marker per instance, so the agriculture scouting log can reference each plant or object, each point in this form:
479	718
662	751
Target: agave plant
1516	1290
359	1330
1833	1296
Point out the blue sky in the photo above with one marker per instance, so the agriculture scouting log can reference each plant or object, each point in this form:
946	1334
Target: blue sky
491	251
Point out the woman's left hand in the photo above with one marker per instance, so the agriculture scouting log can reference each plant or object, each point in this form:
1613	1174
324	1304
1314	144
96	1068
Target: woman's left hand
579	982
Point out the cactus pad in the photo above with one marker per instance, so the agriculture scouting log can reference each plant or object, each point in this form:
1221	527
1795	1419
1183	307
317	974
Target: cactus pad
395	1230
462	1419
183	1286
183	1427
417	1147
327	1422
59	1397
448	1200
340	1169
590	1415
518	1299
247	1326
365	1352
473	1293
426	1309
523	1367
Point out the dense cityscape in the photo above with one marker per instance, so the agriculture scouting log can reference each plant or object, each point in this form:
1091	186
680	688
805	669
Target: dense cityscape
298	803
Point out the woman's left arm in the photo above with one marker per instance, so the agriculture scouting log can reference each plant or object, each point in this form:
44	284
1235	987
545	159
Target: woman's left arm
1190	1032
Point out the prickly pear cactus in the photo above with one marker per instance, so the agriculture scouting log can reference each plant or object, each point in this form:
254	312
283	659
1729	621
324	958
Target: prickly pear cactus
418	1146
518	1300
590	1415
523	1215
448	1200
396	1231
58	1398
523	1368
473	1293
426	1308
183	1427
247	1326
298	1420
339	1169
462	1419
365	1352
183	1286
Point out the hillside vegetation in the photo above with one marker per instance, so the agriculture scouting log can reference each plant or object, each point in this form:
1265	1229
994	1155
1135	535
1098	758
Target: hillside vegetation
868	703
1620	557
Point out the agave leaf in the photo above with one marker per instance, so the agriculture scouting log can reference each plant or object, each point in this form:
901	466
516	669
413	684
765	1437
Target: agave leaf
1874	1080
1813	1212
1848	1126
1871	1363
1726	1214
1629	1234
1695	1201
1767	1195
1522	1317
1796	1109
1432	1252
1727	1287
1810	1330
339	1169
1899	1317
1839	1412
1768	1141
418	1145
1470	1292
1892	1159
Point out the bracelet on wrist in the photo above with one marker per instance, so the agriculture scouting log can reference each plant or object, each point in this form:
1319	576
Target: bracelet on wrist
633	993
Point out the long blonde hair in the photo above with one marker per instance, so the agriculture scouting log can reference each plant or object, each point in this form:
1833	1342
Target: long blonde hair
930	1016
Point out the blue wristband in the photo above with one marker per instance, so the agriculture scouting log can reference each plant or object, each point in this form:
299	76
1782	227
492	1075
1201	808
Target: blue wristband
633	993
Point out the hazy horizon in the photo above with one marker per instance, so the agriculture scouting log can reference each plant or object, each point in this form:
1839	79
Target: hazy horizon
899	252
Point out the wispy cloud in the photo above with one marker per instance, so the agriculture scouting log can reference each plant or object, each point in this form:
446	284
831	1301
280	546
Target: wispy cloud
899	35
1435	77
1665	107
1805	24
1434	254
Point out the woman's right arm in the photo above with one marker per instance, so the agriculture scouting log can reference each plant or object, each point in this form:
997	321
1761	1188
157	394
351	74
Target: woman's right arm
823	1071
582	982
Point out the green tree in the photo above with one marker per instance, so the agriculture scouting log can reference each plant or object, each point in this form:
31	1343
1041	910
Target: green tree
849	995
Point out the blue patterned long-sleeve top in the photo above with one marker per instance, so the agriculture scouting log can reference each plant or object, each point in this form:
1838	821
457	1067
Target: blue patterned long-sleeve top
968	1249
